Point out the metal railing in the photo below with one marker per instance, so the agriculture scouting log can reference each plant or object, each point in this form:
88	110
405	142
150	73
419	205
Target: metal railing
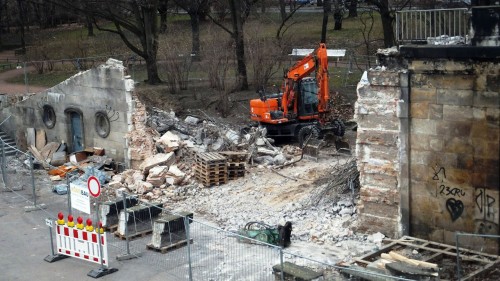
415	26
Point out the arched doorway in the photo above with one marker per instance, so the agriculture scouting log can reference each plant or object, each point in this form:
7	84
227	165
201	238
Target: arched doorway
75	132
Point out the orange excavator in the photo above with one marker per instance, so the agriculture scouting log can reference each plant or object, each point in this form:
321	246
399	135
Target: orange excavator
301	110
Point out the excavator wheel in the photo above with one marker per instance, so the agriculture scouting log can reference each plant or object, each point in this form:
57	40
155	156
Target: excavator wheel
307	132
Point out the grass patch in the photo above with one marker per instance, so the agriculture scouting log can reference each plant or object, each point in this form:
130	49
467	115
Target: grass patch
48	79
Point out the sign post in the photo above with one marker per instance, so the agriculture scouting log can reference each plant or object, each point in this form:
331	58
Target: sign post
95	190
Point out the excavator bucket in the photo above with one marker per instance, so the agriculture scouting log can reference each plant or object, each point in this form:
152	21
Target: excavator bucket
312	148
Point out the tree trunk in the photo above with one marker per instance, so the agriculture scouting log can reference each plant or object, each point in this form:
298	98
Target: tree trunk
353	9
326	13
242	80
195	33
150	44
22	16
387	20
90	26
162	9
282	10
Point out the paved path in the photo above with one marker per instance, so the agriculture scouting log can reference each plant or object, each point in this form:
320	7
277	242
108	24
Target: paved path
9	88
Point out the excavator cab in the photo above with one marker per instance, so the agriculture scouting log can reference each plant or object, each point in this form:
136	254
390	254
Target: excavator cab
308	98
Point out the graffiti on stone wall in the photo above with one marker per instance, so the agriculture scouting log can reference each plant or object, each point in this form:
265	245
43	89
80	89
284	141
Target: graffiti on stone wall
486	211
454	205
455	208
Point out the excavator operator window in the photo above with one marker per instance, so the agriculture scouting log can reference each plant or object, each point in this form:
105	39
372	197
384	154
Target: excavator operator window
308	104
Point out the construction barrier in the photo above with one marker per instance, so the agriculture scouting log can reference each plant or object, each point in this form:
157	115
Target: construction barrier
81	242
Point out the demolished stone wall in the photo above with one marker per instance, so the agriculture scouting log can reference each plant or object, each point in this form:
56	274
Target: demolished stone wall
104	90
428	146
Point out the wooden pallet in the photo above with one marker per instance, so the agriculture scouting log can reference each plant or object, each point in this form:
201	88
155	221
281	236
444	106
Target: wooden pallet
210	158
235	156
136	235
434	252
111	228
210	168
170	247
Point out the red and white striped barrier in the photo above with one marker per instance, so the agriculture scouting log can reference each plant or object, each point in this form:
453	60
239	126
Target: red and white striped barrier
80	242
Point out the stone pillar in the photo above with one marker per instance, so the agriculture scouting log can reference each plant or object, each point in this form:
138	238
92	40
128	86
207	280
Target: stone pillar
377	152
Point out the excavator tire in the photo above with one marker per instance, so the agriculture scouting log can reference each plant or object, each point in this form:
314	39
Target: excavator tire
305	132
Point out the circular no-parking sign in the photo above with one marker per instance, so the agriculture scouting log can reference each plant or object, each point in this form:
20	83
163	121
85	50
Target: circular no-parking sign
94	186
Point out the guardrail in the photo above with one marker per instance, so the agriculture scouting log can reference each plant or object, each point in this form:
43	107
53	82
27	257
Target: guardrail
415	26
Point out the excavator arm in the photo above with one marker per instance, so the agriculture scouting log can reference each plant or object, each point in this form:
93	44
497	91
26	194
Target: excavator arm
316	61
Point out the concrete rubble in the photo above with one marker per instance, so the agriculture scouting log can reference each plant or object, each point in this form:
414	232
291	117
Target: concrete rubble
277	186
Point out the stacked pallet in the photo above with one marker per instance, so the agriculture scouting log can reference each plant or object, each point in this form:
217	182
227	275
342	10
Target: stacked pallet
210	168
236	163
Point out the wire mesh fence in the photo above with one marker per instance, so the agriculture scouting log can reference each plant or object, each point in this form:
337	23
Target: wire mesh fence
175	244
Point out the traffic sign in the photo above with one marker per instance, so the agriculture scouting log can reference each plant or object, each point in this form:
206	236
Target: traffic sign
94	186
48	222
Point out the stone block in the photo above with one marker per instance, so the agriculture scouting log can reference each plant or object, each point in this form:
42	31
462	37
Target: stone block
452	82
488	166
381	210
375	107
383	78
435	111
423	94
485	148
161	159
457	112
373	224
423	126
451	96
420	172
479	113
458	177
378	194
389	169
458	145
486	99
464	161
436	143
446	65
419	110
493	117
378	93
493	82
454	128
485	131
382	123
378	180
420	142
422	157
377	138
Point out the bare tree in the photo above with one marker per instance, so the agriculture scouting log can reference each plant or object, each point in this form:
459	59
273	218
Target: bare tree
353	9
196	9
136	22
240	10
387	9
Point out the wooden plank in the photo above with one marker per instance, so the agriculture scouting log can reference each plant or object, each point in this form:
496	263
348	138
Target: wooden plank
38	157
41	139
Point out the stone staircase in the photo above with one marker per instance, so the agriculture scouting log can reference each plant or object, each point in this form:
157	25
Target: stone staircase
9	146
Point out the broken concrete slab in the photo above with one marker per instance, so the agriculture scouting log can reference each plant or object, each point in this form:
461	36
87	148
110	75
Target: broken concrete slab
170	140
160	159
